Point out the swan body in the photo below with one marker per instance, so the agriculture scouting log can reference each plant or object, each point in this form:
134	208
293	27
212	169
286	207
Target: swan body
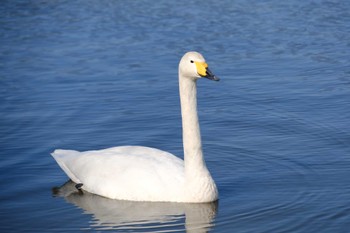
139	173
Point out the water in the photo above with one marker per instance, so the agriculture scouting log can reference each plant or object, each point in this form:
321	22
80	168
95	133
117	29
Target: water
95	74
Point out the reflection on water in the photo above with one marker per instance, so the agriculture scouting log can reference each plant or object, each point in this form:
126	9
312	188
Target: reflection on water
140	216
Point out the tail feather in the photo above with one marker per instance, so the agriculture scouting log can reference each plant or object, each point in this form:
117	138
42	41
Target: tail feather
62	157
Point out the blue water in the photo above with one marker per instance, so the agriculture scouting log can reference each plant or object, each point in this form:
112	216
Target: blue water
96	74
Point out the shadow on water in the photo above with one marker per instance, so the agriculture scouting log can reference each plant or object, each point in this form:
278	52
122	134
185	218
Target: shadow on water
121	215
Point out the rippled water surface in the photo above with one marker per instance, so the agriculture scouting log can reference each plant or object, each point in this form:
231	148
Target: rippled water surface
96	74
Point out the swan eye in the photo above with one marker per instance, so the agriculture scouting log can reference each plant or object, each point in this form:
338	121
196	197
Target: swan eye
191	61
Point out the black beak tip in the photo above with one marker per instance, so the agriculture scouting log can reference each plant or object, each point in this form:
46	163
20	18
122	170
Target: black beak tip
216	78
211	76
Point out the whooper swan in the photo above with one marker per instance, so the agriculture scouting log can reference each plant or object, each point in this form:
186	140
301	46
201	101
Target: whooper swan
139	173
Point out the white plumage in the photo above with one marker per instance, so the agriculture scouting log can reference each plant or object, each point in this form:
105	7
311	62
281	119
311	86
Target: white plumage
139	173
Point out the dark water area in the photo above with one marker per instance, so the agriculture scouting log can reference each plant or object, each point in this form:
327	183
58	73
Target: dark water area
90	75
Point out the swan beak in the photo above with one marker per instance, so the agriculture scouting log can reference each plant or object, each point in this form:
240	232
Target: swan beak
203	71
210	75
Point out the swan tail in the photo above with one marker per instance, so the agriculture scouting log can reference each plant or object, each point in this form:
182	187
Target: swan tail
62	157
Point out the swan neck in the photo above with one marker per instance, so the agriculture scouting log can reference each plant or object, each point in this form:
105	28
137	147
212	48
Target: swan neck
193	154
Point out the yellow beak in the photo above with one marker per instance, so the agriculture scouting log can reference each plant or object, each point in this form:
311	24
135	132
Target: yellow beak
203	70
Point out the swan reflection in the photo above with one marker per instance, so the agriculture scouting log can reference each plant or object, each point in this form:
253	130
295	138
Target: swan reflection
140	216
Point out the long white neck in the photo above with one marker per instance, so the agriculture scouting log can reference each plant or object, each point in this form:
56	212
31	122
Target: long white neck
193	154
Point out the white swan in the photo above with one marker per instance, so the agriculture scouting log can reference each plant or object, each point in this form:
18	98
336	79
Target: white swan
139	173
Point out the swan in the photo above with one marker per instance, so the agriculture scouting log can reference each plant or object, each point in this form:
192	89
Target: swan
138	173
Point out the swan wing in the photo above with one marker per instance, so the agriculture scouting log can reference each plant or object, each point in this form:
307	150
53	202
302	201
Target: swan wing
128	172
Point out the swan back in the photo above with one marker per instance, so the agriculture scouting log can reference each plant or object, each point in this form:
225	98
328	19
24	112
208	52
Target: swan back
127	172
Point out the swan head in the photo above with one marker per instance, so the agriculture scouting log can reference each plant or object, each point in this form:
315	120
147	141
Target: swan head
192	65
